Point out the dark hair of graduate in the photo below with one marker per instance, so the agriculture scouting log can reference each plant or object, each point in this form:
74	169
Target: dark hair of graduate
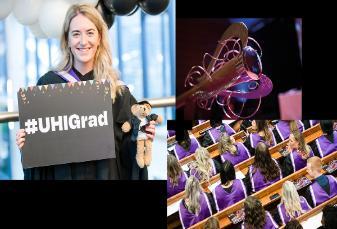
262	125
254	213
215	123
329	219
185	141
327	128
264	162
227	172
293	224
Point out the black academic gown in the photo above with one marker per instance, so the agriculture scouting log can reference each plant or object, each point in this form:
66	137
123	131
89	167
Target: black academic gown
122	167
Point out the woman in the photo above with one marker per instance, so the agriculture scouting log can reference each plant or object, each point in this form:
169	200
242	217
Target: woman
213	134
186	146
231	190
299	152
204	167
327	143
263	133
264	171
292	205
195	205
284	128
255	215
176	178
87	56
212	223
232	151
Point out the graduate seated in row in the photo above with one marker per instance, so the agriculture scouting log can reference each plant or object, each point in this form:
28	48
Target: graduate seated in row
264	171
323	187
298	153
255	215
292	205
263	133
212	135
203	167
176	178
231	190
186	146
284	128
327	143
195	206
235	152
293	224
212	223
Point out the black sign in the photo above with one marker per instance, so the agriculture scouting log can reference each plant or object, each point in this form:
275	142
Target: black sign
66	123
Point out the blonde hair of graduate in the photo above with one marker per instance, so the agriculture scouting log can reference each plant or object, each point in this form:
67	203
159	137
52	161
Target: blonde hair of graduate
291	199
226	144
202	163
193	192
103	60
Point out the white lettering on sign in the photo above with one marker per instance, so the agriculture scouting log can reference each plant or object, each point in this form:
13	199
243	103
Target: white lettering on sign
63	123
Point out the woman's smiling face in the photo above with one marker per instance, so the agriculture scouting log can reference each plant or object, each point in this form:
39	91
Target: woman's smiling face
83	40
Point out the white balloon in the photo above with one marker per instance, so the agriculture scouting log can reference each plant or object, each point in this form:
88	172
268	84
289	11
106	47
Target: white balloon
52	17
37	31
5	8
27	11
91	2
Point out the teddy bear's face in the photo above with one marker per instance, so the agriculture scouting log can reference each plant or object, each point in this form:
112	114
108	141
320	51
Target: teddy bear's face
141	111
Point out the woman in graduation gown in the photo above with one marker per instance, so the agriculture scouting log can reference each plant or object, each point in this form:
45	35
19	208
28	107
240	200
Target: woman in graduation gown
235	152
263	134
264	171
204	167
256	216
87	56
176	178
231	190
186	146
195	206
299	152
284	128
292	205
327	143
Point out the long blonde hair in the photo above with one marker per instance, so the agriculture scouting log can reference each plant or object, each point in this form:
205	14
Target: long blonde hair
226	144
202	163
193	192
302	146
103	60
291	199
174	169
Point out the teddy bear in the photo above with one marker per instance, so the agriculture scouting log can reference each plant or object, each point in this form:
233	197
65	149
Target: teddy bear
141	117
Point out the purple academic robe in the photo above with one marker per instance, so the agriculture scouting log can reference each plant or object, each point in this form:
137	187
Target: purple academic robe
224	199
188	219
215	133
313	122
318	194
297	161
194	172
242	154
285	218
283	128
255	138
257	179
326	147
181	153
270	222
171	133
171	191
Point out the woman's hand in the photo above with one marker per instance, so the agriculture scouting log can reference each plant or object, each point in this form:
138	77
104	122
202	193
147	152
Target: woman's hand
152	129
20	138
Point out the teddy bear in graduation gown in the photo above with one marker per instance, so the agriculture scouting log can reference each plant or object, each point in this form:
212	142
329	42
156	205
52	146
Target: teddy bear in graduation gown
141	117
